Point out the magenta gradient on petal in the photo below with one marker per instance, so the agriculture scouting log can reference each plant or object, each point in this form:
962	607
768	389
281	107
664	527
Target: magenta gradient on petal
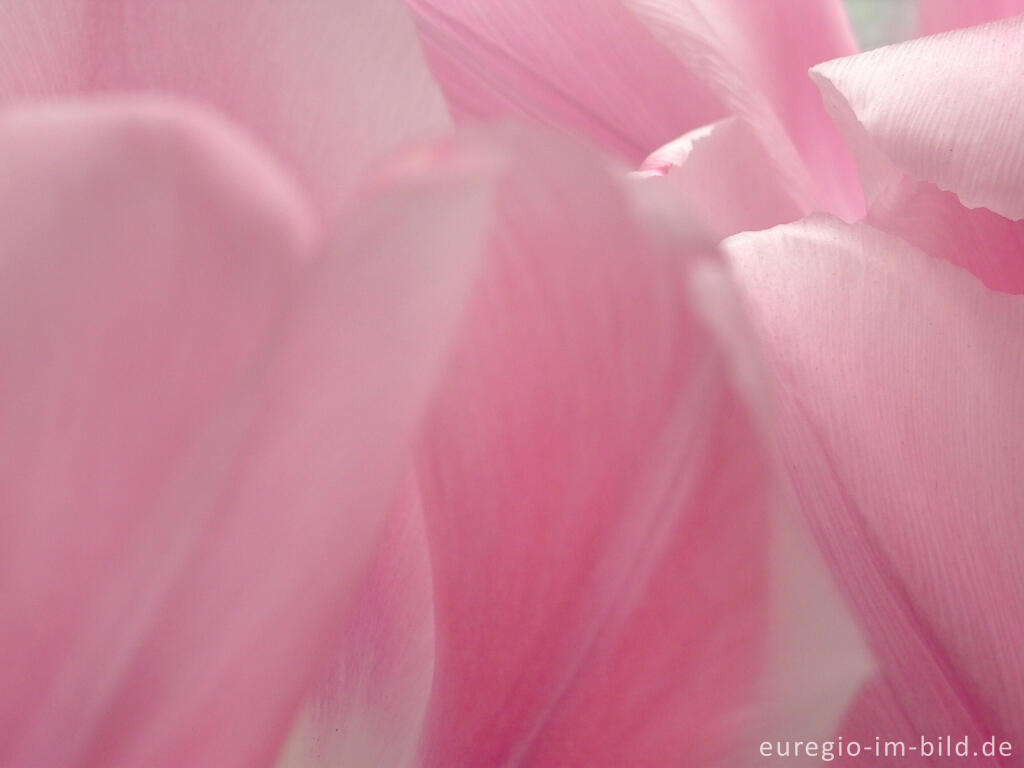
597	500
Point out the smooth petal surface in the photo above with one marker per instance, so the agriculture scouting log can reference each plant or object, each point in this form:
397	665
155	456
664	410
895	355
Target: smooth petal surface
367	707
327	86
597	501
726	177
754	57
900	383
592	70
145	255
200	444
934	16
945	109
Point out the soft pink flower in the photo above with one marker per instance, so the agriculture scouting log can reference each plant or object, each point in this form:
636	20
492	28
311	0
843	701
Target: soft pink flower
898	377
332	442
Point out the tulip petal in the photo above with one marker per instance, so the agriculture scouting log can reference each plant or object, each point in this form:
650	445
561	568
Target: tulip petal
904	449
201	444
755	57
328	87
985	243
594	71
817	660
815	657
934	16
598	505
726	177
941	109
367	707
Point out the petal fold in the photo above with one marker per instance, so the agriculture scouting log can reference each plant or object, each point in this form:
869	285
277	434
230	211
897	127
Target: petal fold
754	56
727	178
984	243
942	109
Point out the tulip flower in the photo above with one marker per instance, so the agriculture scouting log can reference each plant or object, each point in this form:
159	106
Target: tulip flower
898	377
334	435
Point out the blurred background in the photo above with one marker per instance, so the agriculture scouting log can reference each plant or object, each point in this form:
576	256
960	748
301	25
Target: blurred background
880	22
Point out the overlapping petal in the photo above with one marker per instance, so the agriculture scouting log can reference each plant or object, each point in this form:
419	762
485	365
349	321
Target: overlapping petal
942	109
988	245
593	70
900	383
755	56
199	443
598	504
726	177
367	706
327	86
206	437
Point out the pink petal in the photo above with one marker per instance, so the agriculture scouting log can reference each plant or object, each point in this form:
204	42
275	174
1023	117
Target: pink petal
598	504
934	16
727	178
593	70
199	456
328	87
900	381
367	707
971	146
755	56
816	661
985	243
